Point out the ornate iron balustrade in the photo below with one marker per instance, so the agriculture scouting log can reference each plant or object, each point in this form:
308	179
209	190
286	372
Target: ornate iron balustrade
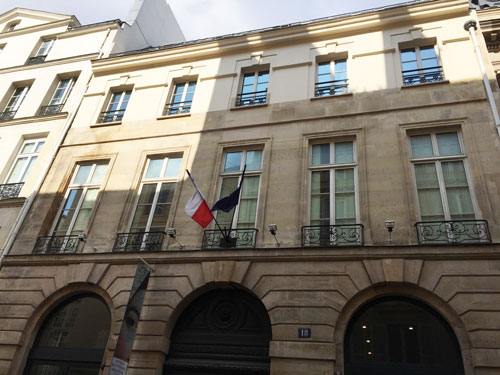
238	238
36	60
331	88
453	232
7	115
332	235
111	116
425	75
8	191
138	241
177	108
47	110
57	245
251	98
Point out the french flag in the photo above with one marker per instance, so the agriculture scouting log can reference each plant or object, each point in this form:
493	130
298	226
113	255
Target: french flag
196	207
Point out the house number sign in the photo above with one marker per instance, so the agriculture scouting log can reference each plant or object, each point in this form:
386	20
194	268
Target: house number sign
305	333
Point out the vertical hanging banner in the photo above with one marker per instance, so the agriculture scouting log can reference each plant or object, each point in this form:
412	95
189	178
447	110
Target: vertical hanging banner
120	360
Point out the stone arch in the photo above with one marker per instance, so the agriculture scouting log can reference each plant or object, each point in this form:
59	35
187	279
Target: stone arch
423	296
45	308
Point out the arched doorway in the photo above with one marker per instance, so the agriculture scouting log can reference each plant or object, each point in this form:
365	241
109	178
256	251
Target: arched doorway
400	336
72	338
221	332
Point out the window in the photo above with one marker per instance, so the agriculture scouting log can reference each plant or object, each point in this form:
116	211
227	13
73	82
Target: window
61	94
116	107
14	103
153	206
182	98
420	65
42	52
12	26
253	88
331	78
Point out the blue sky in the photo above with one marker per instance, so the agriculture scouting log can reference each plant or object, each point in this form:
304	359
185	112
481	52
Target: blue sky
205	18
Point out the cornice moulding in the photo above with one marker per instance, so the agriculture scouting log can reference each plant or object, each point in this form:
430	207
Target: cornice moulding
66	60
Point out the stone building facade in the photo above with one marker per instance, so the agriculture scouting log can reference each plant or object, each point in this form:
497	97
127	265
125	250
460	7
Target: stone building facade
368	142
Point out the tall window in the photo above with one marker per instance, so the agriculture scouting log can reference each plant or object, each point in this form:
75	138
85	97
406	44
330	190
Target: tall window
253	88
80	198
61	94
25	159
420	65
440	173
331	78
155	195
42	52
116	107
182	98
245	213
14	103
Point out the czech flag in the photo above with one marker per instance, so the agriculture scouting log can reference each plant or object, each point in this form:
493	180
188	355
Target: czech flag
197	208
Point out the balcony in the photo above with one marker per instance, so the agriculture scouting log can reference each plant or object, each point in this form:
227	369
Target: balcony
138	241
48	110
36	60
237	239
57	245
425	75
177	108
331	88
332	235
111	116
453	232
9	191
251	98
7	115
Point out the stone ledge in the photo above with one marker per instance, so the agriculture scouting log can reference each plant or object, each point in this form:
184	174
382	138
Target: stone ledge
304	350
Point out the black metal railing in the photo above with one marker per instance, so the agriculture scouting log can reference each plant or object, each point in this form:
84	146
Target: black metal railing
251	98
111	116
36	60
453	232
425	75
138	241
332	235
7	115
330	88
177	108
56	245
235	238
47	110
8	191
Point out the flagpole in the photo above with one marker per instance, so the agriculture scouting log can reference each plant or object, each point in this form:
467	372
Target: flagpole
241	183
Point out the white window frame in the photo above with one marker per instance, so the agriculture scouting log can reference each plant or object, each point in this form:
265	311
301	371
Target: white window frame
67	91
332	73
123	94
12	26
437	160
419	60
332	167
181	108
30	156
253	93
16	99
48	43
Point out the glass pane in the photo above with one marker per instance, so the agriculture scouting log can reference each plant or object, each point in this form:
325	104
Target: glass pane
321	154
408	55
429	195
248	201
457	191
99	173
154	168
427	52
28	148
344	180
28	168
85	211
166	193
254	160
68	212
320	198
39	146
125	100
324	68
179	89
173	167
340	66
191	87
228	186
15	175
409	66
233	161
82	174
344	152
448	144
44	369
421	146
140	222
147	194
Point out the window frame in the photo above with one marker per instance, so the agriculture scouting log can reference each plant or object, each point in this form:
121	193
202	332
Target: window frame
50	42
254	99
115	117
421	75
182	108
11	26
18	98
25	169
436	160
344	88
66	93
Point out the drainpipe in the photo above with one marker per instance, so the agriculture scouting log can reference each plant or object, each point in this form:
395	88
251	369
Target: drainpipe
471	27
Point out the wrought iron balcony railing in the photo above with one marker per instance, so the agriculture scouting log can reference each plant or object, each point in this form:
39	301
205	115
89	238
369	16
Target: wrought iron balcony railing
138	241
36	60
251	98
425	75
237	238
331	88
332	235
111	116
57	245
453	232
8	191
7	115
177	108
47	110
